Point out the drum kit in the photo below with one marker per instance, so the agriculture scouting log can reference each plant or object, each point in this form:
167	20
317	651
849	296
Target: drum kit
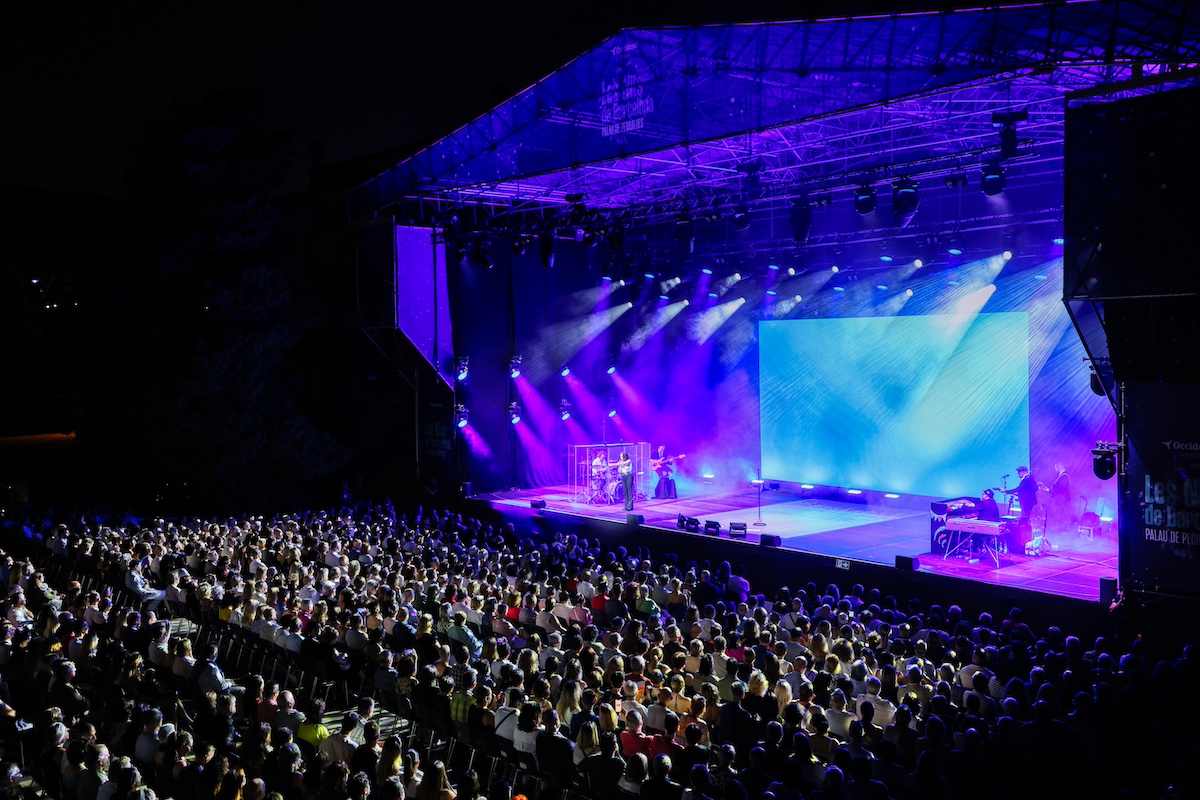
605	487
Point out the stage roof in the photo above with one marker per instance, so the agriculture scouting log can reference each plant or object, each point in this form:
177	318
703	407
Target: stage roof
713	120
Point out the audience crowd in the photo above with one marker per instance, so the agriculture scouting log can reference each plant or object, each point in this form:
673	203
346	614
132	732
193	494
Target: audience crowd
515	665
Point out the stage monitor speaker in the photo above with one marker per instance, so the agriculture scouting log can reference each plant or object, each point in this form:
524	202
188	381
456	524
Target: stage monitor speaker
712	527
692	525
634	519
681	523
770	540
908	563
1108	590
537	503
737	529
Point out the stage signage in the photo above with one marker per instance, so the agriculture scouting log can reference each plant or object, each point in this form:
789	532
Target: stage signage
1160	511
624	101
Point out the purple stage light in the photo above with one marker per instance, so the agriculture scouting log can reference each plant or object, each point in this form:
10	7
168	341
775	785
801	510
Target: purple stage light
611	370
712	295
565	371
773	267
771	292
612	413
1060	241
706	271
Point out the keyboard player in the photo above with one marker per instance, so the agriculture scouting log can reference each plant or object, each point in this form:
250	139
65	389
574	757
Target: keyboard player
986	508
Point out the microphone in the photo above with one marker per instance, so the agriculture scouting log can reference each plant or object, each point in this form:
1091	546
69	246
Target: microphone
1003	477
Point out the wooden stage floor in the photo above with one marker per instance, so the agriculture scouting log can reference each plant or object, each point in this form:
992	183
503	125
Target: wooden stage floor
856	531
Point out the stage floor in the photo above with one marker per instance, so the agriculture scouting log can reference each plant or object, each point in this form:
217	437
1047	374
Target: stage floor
856	531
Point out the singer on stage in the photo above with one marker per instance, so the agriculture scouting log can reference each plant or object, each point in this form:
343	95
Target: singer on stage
625	470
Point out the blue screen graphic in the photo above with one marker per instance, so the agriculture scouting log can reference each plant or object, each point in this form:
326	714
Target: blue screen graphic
926	405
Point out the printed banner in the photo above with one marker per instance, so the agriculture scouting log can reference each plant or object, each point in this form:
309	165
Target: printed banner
1159	516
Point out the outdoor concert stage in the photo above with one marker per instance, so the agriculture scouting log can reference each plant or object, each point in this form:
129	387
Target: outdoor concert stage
855	532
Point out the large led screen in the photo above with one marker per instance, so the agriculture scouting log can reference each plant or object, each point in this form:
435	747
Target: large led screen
925	405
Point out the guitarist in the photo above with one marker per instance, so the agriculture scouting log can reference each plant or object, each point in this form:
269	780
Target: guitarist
1026	493
665	488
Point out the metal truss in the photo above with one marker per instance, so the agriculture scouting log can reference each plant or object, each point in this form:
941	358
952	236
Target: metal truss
730	115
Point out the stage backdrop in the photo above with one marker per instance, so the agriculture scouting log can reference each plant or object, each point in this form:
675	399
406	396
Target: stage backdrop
926	405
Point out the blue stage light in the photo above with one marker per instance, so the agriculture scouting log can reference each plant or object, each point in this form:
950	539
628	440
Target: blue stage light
612	413
706	271
565	371
955	251
886	259
1060	241
611	370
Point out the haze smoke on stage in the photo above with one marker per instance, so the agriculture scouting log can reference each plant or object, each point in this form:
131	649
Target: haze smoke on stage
658	320
705	324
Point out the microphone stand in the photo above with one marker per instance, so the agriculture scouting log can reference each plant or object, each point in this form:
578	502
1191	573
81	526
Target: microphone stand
759	483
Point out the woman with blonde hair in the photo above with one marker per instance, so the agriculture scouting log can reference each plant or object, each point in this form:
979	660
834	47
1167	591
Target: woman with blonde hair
608	719
568	702
783	697
587	742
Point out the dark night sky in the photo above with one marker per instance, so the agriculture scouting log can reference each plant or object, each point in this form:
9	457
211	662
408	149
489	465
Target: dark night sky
361	77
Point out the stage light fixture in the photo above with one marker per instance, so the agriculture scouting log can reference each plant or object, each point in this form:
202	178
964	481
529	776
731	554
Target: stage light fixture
955	244
484	256
1104	460
1095	383
519	244
514	367
992	180
692	524
1007	121
458	253
565	371
864	200
462	368
1007	255
905	202
1058	240
712	527
706	271
564	410
681	523
514	412
956	180
802	220
546	250
461	415
685	231
612	368
612	413
741	219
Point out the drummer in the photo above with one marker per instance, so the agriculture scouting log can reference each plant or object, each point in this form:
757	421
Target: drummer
599	466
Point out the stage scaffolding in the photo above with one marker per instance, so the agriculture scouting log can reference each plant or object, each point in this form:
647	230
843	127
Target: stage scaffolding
579	468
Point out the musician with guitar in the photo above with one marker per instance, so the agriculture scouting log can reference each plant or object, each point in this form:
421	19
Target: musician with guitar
1027	496
665	488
